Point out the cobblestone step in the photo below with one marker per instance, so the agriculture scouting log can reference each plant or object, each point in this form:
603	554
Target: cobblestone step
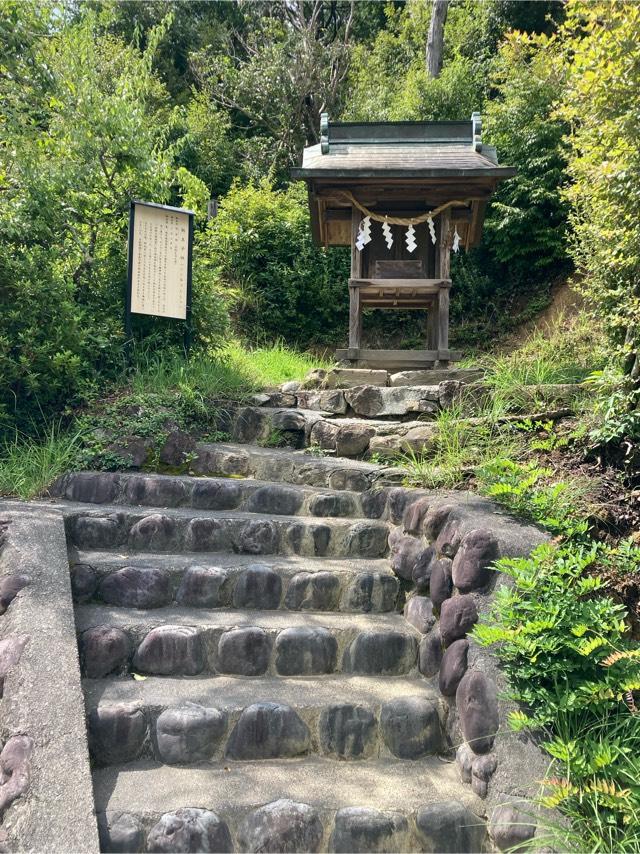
219	493
381	805
218	580
292	466
186	642
189	721
182	529
345	436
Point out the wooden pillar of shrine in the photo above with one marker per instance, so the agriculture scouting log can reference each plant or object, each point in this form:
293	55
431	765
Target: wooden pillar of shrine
355	309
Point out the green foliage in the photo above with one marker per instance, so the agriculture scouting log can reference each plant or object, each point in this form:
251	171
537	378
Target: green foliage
599	49
92	133
564	648
28	464
527	223
528	491
284	287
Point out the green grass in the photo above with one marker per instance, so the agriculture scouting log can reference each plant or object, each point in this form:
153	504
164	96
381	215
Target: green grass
232	373
568	352
29	465
460	445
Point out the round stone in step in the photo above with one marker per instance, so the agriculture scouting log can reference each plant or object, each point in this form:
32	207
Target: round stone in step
207	535
418	611
156	532
435	519
413	516
96	532
282	826
84	581
10	586
257	537
440	583
453	667
448	540
116	733
367	539
371	591
244	651
170	651
448	827
189	830
359	829
457	617
136	587
374	503
313	591
214	495
268	731
405	551
305	651
471	565
155	491
276	500
332	504
189	733
201	587
422	569
411	727
381	652
430	654
511	826
103	650
120	832
477	704
258	586
347	731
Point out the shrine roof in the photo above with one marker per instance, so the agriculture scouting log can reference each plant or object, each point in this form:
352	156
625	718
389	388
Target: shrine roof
401	150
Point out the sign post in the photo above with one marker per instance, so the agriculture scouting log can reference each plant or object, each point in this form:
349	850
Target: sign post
159	275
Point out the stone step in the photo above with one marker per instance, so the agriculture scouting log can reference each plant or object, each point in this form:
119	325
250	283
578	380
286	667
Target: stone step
182	529
292	466
300	428
187	721
217	493
367	401
381	805
187	642
221	579
351	377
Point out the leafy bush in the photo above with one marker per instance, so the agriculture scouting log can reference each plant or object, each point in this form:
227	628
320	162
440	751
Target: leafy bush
565	651
527	222
283	286
599	51
90	134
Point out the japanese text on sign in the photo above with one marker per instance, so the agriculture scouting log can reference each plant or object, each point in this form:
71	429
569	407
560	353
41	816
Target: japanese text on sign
160	262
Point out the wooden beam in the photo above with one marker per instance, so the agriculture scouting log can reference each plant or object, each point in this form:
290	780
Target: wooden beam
355	319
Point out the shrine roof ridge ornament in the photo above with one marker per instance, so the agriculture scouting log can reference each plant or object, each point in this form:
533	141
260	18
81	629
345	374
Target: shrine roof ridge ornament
401	149
400	133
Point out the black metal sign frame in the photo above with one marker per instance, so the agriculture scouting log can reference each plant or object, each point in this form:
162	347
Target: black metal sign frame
128	296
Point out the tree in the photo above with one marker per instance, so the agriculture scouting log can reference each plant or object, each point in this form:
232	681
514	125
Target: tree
435	39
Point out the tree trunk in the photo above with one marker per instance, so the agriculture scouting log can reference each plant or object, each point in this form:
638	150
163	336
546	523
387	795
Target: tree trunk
435	39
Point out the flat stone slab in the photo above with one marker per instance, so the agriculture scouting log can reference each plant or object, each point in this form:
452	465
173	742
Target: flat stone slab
350	377
435	376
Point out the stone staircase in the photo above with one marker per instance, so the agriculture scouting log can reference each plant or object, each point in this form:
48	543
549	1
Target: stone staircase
251	683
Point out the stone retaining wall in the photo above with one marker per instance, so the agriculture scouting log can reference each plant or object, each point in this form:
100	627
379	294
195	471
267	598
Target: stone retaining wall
45	783
446	545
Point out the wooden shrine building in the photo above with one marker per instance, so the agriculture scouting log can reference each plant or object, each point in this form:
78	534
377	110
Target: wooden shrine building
403	195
